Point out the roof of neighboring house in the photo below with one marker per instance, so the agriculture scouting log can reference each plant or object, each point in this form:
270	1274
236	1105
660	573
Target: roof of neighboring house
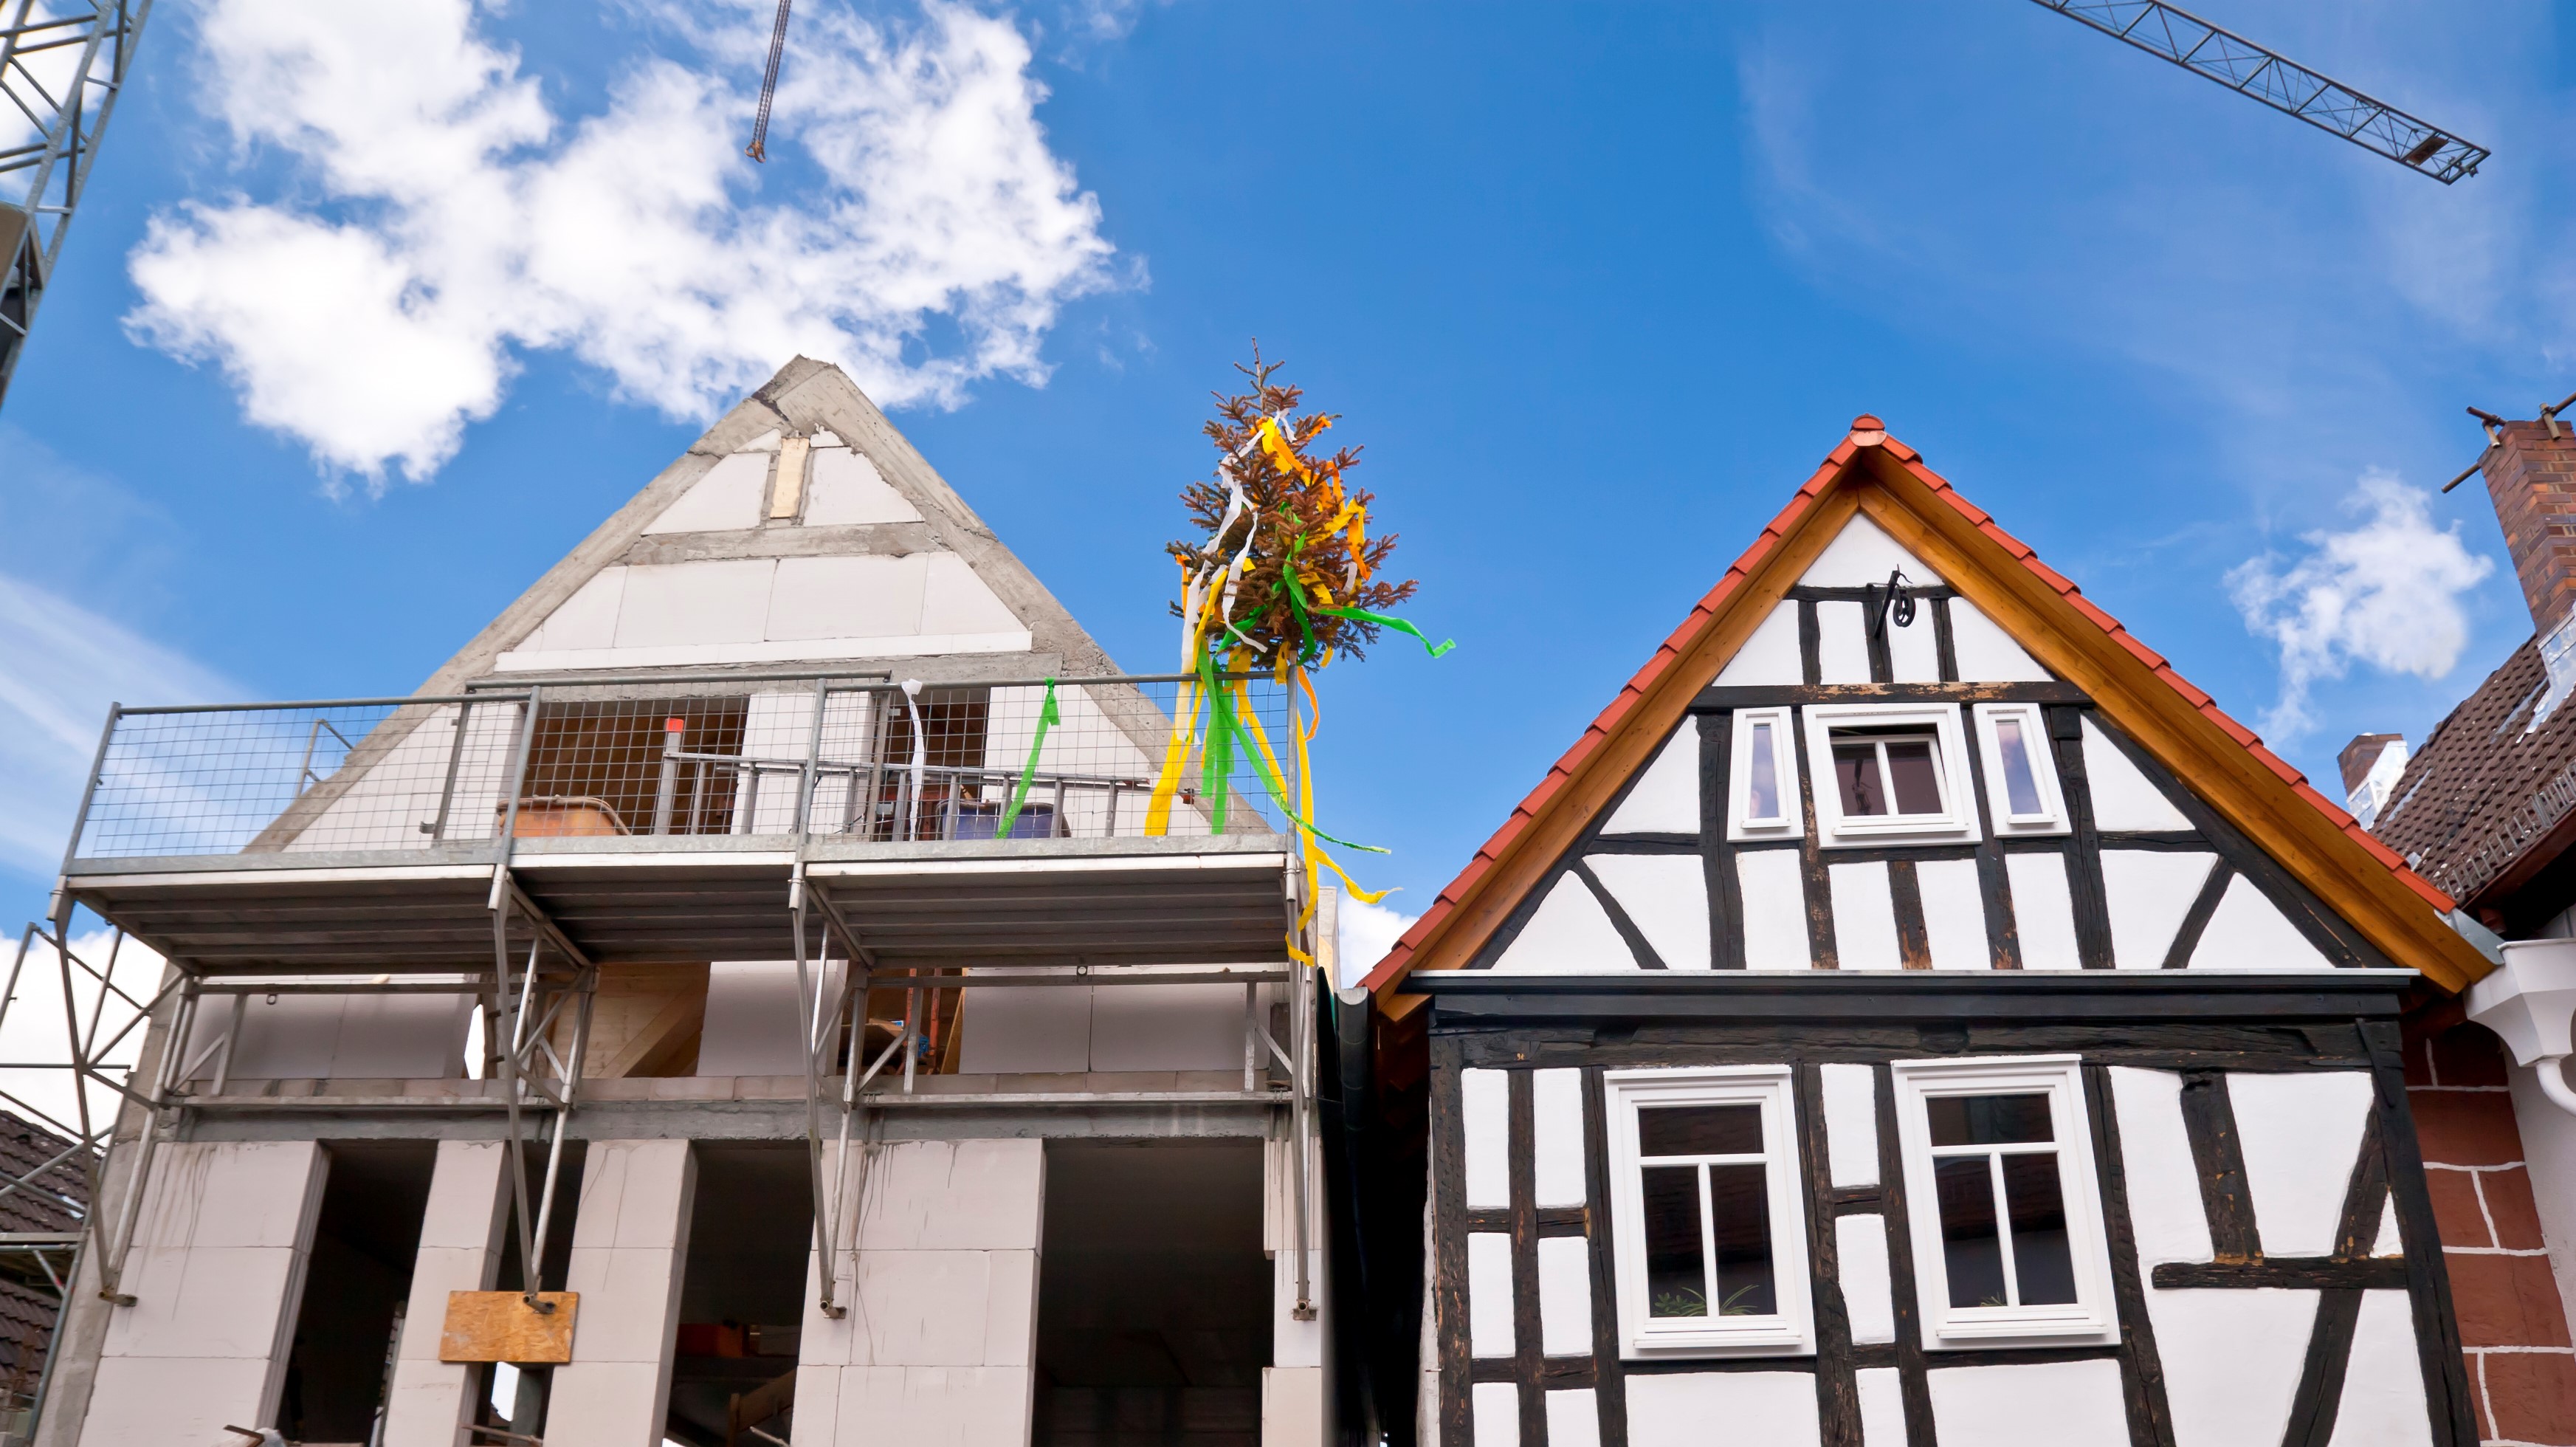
2481	804
2253	787
24	1147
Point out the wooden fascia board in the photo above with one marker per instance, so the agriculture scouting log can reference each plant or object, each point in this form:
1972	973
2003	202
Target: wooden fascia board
2224	771
1631	740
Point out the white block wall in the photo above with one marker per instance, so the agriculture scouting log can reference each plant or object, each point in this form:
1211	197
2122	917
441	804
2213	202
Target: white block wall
630	1239
938	1344
217	1273
460	1250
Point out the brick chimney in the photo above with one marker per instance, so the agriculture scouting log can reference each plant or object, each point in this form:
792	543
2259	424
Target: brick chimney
2531	476
2372	765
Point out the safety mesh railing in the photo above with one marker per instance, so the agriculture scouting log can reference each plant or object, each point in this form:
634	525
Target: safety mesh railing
1091	758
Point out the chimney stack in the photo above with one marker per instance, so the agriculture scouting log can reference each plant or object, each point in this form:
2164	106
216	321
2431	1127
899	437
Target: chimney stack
2372	765
2530	469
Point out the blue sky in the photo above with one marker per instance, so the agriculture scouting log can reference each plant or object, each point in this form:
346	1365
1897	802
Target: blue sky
1597	284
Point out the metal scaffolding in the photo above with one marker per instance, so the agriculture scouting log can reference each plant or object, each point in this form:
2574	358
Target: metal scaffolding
507	843
62	66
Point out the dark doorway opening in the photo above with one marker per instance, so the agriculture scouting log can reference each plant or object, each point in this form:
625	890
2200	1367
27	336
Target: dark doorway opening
355	1289
1153	1296
742	1295
514	1398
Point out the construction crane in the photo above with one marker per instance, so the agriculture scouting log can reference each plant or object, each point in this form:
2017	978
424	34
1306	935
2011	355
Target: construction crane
2285	85
758	150
60	74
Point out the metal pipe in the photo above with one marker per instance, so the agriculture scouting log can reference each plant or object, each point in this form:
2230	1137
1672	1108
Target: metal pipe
437	827
911	1035
508	1020
1251	1033
89	792
554	1149
1300	1031
674	730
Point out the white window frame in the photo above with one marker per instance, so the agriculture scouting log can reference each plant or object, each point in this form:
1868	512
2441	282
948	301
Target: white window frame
1957	824
2051	818
1789	1332
2092	1318
1740	825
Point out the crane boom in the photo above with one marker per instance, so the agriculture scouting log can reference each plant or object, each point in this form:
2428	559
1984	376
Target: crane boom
758	150
2283	84
59	79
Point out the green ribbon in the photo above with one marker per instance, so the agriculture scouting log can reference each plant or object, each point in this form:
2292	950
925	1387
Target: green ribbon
1226	734
1047	716
1389	620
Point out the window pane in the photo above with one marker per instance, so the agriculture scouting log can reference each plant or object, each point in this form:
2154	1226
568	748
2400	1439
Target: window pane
1917	780
1762	779
1676	1273
2043	1261
2021	781
1700	1130
1988	1120
1856	774
1741	1209
1968	1244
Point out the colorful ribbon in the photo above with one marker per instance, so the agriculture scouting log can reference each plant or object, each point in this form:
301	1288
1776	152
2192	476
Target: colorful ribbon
1048	717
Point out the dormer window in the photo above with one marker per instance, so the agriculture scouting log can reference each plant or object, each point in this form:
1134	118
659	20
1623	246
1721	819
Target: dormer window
1890	773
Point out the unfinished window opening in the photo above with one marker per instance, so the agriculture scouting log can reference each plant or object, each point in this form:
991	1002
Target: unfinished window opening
633	766
1154	1296
355	1288
951	799
511	1409
742	1296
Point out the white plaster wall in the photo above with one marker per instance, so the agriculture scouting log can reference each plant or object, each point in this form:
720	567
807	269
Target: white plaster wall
1666	898
1881	1391
2248	932
1680	1409
1770	654
940	1338
1864	917
1665	799
752	1025
2043	911
1913	649
726	499
2383	1384
1565	1296
1489	1295
1494	1414
1851	1125
2301	1134
1775	910
1954	913
2037	1404
1573	1417
1556	1138
1842	645
327	1037
1987	654
630	1238
460	1250
768	610
1569	933
843	487
1484	1107
1869	1293
217	1273
1863	554
2165	1210
2146	893
2123	798
2232	1360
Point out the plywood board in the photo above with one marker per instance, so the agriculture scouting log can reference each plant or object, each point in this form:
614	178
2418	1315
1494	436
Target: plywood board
500	1326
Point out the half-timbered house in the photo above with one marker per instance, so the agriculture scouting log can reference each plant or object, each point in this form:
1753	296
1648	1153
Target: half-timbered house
1913	1013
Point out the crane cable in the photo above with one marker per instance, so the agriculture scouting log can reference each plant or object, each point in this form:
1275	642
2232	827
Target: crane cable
758	150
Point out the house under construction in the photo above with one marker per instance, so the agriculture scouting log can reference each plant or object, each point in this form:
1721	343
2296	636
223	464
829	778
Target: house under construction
697	1013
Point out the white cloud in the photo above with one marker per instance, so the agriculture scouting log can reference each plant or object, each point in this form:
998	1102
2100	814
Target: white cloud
2386	591
913	224
35	1082
61	665
1366	933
